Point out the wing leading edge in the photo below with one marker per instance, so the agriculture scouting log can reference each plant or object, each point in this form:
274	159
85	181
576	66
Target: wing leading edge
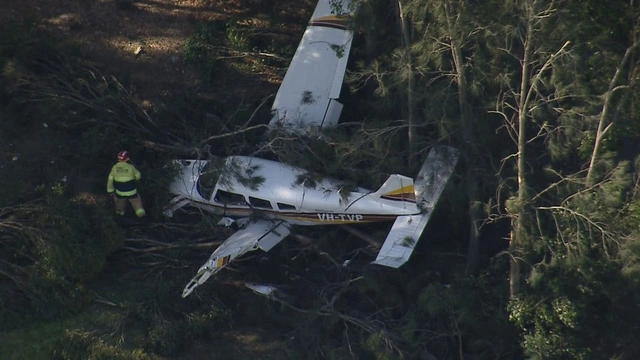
309	91
259	234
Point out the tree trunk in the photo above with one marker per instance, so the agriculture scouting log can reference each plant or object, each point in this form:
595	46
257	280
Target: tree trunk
603	124
517	222
406	38
473	251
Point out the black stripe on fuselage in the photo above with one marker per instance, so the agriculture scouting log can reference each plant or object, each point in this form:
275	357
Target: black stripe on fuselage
334	24
315	217
398	198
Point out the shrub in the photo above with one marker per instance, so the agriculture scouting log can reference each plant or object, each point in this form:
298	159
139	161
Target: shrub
78	344
169	338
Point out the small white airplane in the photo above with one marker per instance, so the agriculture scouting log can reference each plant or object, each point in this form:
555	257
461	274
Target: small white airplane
269	197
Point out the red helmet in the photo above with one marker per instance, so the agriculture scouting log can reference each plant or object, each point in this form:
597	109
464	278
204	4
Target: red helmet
123	155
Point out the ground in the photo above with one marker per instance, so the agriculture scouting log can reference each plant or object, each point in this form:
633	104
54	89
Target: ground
144	40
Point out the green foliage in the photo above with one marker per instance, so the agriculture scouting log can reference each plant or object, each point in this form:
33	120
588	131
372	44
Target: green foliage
236	37
80	236
200	48
581	285
172	338
67	245
223	52
569	302
98	138
155	181
376	347
352	156
465	315
80	344
242	174
630	251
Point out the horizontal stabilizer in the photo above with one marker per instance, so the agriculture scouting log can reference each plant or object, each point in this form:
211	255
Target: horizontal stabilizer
429	184
401	240
434	175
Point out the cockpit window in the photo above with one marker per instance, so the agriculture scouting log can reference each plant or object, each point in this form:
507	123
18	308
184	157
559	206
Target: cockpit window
282	206
260	203
207	179
229	198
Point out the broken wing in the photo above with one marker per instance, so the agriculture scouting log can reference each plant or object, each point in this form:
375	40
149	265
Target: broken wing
263	234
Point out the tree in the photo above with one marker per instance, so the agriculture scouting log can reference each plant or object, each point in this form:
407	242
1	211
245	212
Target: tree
576	225
408	71
627	66
449	36
520	105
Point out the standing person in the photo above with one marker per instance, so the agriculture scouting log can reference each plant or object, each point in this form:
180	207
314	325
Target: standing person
122	183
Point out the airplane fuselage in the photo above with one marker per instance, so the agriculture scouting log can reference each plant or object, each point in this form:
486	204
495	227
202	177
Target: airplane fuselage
240	186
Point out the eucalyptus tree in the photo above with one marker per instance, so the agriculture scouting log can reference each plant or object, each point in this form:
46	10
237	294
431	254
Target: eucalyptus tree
574	215
447	42
518	62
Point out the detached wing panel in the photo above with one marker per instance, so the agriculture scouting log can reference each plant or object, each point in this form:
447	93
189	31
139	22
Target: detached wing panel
262	234
309	91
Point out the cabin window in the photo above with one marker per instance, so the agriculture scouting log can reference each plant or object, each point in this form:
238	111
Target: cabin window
260	203
207	180
229	198
282	206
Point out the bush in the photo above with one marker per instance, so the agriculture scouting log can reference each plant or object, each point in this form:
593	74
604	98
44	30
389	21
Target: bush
170	338
75	238
54	245
78	344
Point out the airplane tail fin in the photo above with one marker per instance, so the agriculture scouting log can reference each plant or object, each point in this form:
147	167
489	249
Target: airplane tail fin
397	188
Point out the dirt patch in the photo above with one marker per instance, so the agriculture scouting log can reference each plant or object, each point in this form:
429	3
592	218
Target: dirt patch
142	41
142	44
240	344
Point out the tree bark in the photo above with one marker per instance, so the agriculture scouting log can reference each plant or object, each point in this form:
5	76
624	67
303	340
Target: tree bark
604	125
406	39
455	45
517	222
369	239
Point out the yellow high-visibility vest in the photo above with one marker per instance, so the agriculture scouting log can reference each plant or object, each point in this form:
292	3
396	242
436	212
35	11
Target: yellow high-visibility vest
122	179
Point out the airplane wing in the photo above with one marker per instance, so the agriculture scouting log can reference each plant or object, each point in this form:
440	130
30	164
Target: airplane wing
309	91
263	234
